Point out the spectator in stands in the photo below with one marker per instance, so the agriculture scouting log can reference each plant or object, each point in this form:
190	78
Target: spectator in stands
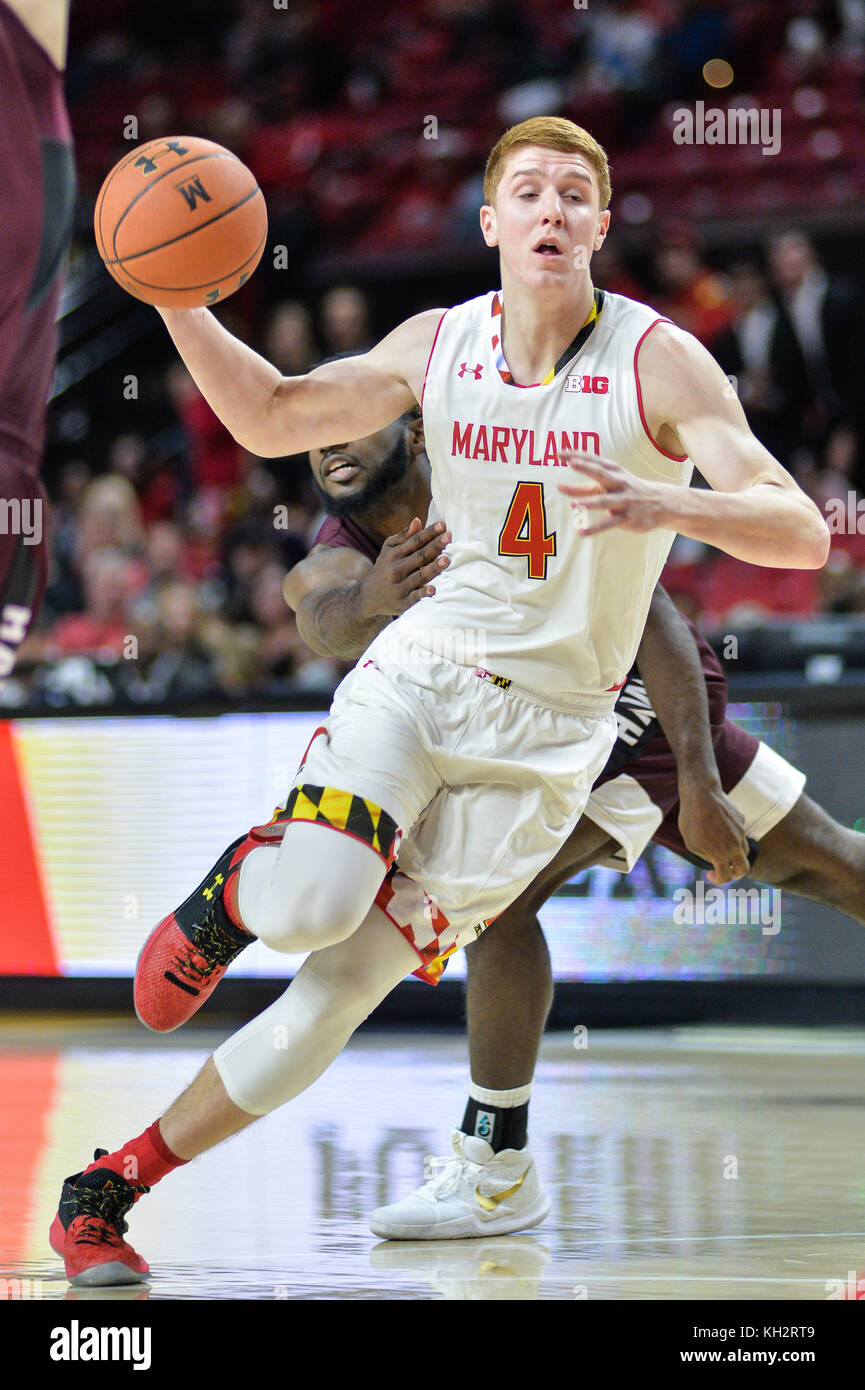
692	295
63	594
610	272
826	314
282	653
101	631
699	32
345	320
172	663
214	457
249	548
166	555
156	483
109	519
621	47
288	338
760	351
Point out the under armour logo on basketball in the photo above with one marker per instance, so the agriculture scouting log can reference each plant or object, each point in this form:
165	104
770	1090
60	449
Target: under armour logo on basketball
147	163
464	367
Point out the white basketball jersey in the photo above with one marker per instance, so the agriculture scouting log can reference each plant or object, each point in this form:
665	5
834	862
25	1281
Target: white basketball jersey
525	595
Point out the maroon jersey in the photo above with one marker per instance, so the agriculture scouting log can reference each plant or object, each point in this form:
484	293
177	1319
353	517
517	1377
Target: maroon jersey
341	531
37	201
37	196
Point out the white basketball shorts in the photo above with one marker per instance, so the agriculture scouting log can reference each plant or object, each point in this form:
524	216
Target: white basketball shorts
480	782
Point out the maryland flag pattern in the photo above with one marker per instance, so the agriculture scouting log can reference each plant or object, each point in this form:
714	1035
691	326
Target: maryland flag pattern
344	811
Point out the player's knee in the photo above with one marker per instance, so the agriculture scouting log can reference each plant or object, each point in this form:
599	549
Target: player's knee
318	915
341	993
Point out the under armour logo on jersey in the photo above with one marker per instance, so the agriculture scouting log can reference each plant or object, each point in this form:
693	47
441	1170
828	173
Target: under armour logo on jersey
464	367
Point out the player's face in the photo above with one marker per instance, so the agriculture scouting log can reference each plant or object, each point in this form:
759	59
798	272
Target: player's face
350	477
545	221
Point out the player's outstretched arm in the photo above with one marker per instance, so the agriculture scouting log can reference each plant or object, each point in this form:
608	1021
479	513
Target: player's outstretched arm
343	600
272	415
755	511
669	662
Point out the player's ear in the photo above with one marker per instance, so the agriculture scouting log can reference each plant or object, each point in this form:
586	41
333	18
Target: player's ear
603	228
488	225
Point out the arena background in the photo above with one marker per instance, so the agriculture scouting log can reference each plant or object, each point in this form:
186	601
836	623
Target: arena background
166	696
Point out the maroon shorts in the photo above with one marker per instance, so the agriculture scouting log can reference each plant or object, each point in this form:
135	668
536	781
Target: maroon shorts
734	752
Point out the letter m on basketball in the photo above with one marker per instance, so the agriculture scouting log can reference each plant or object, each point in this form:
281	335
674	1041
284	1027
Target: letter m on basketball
192	191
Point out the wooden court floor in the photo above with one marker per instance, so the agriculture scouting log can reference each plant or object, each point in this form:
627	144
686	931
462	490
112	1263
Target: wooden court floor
693	1163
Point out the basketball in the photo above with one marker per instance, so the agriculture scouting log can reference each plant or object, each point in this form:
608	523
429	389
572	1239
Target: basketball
180	222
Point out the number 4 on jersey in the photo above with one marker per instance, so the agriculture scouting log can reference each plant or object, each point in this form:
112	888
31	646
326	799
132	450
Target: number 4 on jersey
525	529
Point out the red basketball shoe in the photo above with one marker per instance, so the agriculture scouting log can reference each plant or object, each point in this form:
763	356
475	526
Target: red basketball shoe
187	954
89	1227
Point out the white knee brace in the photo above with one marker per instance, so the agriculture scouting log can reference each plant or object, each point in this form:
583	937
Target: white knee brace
282	1051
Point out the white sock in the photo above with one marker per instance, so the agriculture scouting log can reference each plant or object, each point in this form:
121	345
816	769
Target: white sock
518	1095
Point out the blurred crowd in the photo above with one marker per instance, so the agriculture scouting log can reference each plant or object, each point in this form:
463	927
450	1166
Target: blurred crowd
367	126
168	562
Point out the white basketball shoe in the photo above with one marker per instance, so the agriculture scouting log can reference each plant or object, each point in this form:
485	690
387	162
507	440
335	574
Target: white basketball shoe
477	1192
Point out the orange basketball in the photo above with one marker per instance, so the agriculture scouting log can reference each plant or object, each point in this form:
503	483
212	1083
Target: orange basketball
180	222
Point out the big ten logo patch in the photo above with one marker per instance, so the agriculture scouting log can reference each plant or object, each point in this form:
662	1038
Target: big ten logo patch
588	385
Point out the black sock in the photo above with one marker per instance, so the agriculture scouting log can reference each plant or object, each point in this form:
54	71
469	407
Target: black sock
504	1127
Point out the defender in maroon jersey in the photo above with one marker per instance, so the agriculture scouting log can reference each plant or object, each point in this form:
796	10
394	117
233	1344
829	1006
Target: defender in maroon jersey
37	198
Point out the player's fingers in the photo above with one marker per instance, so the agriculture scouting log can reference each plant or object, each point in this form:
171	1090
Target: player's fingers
730	864
423	576
416	595
414	578
425	535
600	526
423	557
739	861
588	463
400	537
406	566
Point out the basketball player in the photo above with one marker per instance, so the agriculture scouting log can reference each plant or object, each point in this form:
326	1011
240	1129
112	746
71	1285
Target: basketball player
37	200
475	776
676	758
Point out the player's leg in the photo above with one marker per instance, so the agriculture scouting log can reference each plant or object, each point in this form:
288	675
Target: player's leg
509	988
306	880
811	854
801	847
269	1061
508	996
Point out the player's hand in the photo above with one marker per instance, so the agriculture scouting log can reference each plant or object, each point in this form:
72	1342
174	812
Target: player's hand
621	498
713	828
402	573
